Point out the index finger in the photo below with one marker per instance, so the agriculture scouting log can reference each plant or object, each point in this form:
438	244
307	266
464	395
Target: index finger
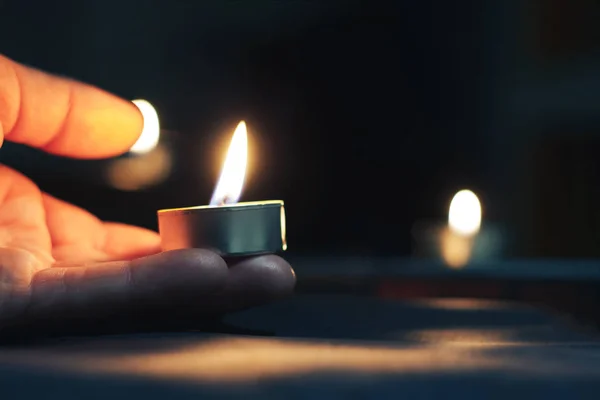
62	116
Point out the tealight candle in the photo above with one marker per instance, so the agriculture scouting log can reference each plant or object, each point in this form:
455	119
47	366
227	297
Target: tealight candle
464	224
225	226
463	239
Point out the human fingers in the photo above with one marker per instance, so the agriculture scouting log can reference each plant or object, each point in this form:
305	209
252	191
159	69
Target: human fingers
62	116
253	281
181	283
176	289
149	283
85	238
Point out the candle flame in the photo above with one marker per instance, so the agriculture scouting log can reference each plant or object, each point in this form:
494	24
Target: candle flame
464	221
464	216
231	181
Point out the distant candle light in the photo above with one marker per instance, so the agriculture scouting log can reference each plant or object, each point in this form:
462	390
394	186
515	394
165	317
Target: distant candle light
464	222
463	238
150	135
464	215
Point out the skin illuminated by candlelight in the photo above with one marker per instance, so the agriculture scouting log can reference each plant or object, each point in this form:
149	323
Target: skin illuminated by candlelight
58	260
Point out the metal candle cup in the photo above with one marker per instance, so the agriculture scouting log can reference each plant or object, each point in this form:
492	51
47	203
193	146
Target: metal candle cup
230	230
225	226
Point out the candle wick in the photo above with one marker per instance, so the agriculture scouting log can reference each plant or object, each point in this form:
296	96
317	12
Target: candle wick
224	200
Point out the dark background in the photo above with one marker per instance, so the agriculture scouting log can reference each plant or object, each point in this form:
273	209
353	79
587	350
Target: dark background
365	117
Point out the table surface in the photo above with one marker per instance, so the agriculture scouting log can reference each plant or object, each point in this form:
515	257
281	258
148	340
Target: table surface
325	346
560	270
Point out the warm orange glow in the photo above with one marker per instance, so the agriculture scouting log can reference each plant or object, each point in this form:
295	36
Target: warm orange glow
136	173
456	249
229	187
238	360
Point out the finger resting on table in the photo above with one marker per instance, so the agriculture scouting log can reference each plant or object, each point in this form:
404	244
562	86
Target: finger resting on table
254	281
116	286
181	283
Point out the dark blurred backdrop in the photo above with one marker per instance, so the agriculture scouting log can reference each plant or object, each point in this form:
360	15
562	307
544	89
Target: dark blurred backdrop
365	117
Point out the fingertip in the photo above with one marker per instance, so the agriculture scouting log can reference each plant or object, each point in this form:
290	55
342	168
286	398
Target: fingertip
268	276
101	125
281	277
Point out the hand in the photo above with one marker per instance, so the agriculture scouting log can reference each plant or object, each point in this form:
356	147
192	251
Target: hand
58	261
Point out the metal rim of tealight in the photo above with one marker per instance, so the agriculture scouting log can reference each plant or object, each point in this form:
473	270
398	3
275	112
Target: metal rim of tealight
227	207
238	229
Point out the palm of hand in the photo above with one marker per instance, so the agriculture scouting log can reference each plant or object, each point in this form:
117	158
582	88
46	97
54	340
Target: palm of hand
40	237
57	257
